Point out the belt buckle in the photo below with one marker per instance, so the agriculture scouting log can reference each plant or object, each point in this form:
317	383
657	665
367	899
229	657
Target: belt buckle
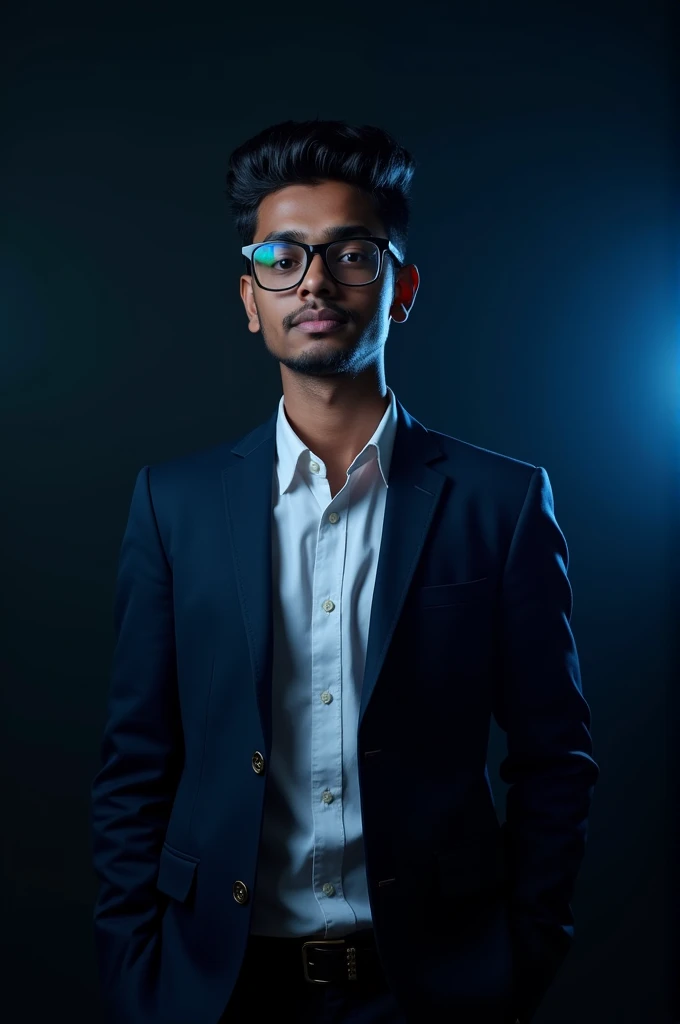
351	959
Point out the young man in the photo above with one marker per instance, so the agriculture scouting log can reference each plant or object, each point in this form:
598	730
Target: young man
315	623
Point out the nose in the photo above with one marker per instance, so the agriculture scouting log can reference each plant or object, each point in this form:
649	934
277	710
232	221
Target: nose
317	275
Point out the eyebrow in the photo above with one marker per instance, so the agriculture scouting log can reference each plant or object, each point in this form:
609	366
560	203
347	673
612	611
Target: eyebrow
330	234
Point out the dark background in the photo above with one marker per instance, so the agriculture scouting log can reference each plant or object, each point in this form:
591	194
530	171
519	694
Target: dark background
544	226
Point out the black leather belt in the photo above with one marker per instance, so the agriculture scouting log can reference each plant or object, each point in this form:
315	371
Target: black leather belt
351	959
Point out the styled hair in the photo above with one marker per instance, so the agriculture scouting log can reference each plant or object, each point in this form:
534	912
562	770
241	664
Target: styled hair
309	152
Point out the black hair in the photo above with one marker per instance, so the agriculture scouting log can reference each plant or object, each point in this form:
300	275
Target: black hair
308	152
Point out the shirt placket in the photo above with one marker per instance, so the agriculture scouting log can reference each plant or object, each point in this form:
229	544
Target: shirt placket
326	695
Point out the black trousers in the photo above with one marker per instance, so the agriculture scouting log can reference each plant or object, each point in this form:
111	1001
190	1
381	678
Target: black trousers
271	986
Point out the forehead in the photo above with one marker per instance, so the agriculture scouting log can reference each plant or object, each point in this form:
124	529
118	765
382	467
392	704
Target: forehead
312	208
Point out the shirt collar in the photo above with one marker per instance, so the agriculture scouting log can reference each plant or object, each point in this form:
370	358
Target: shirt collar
291	453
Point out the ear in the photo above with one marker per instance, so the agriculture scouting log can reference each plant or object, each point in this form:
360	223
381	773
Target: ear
405	291
248	300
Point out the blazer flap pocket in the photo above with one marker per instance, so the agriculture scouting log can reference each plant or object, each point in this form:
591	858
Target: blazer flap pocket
175	873
453	593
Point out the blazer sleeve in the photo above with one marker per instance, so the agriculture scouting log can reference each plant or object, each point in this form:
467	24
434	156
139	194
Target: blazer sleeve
142	753
549	767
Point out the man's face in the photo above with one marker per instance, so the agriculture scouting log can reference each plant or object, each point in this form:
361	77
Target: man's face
311	209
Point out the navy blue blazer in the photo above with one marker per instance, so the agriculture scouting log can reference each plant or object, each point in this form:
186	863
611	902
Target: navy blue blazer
470	618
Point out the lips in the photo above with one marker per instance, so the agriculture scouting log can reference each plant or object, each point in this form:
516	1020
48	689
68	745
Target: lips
319	314
320	326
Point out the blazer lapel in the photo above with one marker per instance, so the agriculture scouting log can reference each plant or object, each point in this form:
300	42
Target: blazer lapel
413	492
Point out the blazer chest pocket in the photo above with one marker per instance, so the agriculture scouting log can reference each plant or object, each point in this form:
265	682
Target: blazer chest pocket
176	873
448	594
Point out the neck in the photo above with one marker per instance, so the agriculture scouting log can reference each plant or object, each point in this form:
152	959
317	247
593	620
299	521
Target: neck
335	423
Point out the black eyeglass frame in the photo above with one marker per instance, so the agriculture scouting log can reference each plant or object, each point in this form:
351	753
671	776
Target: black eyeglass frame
384	245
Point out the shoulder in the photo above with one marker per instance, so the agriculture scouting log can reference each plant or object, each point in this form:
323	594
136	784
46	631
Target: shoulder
483	469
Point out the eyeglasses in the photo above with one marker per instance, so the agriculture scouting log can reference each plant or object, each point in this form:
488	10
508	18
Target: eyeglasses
279	265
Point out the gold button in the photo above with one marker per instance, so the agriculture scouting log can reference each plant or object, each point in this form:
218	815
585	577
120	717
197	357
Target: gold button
258	763
240	891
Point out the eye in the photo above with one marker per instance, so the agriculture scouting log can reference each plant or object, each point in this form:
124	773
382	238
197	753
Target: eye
272	257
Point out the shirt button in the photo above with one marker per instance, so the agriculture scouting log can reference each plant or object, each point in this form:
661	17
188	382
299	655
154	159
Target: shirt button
314	466
326	697
333	517
328	605
329	890
327	797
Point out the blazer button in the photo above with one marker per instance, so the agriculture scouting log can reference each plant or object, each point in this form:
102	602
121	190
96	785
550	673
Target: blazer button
240	891
258	763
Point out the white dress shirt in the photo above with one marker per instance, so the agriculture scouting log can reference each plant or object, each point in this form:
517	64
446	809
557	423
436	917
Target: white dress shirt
311	877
